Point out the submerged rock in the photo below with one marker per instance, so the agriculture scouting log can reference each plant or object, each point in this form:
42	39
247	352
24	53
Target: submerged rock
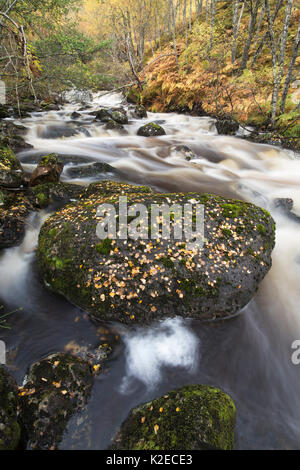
57	388
11	173
151	129
195	417
9	426
138	281
92	170
185	151
227	126
48	170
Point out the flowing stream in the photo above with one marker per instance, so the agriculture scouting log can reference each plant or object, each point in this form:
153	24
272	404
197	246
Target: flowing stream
249	356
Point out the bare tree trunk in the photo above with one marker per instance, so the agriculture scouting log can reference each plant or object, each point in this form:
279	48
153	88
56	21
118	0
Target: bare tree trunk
290	70
190	16
212	24
281	58
263	40
172	14
253	18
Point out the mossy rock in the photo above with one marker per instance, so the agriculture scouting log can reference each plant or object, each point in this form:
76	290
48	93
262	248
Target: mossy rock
139	112
138	281
195	417
9	426
11	173
48	170
46	194
14	210
151	129
112	125
113	114
57	387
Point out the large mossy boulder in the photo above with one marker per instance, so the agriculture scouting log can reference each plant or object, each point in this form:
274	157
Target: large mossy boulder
9	426
57	387
48	170
151	129
11	173
195	417
12	135
137	281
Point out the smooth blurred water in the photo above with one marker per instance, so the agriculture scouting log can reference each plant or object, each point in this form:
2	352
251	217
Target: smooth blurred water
249	356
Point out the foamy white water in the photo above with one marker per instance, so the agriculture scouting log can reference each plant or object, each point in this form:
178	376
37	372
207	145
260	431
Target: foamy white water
169	344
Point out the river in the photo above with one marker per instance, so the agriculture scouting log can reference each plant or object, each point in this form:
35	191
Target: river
249	357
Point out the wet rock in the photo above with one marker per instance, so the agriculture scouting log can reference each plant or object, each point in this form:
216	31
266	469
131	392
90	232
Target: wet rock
48	170
151	129
75	115
9	426
185	151
43	195
115	114
139	112
92	170
56	132
227	127
286	206
196	417
14	210
11	173
113	126
57	388
164	278
12	135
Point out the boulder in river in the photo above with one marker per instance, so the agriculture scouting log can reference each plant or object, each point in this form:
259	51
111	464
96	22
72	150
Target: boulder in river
92	170
9	426
11	173
57	387
227	126
48	170
141	280
118	115
12	135
139	112
195	417
151	129
112	125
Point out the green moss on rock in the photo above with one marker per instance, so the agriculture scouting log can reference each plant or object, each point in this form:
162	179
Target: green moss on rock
163	277
190	418
57	387
9	426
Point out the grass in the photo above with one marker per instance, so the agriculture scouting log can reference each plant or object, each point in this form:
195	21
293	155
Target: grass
3	318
